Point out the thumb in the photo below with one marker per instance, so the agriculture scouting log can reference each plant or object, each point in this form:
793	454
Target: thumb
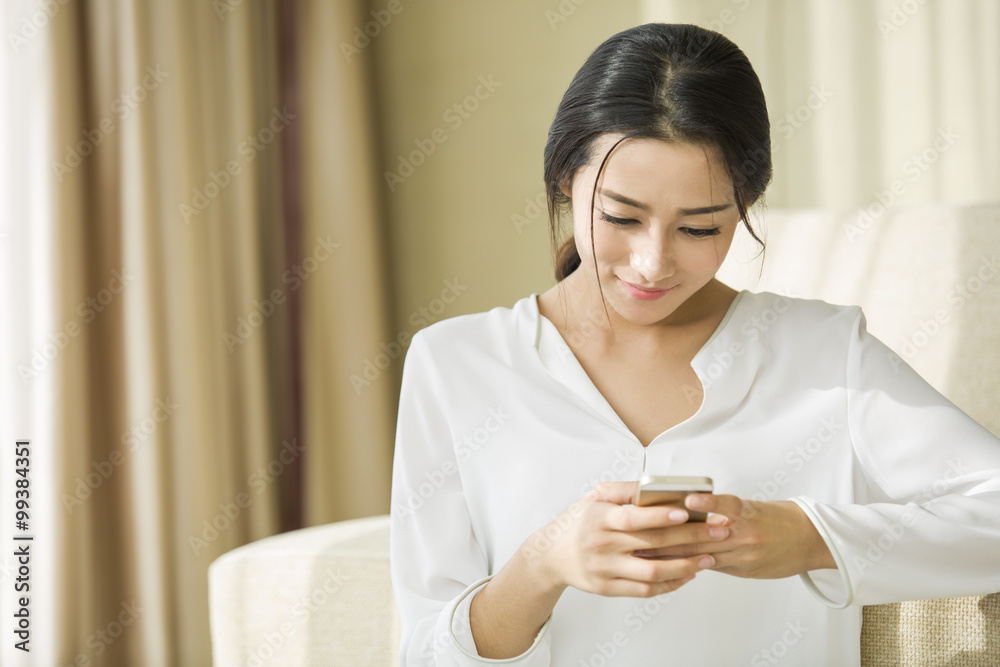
620	493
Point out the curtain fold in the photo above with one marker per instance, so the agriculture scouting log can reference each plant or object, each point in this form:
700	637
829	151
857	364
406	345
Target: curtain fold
350	382
180	326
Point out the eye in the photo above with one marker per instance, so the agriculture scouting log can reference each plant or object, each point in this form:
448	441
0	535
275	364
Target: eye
622	222
700	233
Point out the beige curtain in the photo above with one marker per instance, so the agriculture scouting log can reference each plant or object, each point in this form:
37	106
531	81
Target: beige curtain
872	102
350	380
189	266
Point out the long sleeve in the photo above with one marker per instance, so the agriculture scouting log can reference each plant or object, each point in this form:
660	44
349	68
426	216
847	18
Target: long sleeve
932	476
437	562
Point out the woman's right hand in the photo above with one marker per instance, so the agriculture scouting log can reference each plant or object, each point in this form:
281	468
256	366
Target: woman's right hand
590	545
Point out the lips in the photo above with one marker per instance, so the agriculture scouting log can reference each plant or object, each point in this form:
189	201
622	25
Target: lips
641	292
647	289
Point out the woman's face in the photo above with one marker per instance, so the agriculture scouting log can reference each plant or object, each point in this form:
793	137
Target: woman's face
674	232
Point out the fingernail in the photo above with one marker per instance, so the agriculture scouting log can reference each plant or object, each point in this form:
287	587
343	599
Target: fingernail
678	515
718	532
707	561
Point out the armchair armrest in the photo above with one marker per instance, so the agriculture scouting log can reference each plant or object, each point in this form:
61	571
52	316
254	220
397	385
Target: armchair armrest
315	596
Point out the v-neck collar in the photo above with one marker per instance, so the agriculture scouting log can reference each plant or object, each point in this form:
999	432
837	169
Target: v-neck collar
562	364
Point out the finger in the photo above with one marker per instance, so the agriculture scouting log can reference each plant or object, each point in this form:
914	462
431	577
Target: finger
619	493
718	520
703	561
632	518
724	504
705	540
730	562
655	571
683	550
692	537
642	589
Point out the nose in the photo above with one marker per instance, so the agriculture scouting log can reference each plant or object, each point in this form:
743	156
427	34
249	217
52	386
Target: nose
653	257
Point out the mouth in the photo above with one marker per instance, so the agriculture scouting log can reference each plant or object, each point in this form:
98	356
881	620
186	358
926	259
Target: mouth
641	293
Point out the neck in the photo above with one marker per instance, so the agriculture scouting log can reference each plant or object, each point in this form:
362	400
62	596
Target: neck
586	318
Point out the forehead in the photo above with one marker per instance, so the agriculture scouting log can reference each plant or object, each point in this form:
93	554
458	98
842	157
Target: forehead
654	169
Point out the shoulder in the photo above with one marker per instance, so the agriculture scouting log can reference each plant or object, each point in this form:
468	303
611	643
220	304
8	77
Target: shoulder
791	341
475	336
774	306
786	319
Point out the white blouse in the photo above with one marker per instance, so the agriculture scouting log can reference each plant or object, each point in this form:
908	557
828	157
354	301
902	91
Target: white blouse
500	429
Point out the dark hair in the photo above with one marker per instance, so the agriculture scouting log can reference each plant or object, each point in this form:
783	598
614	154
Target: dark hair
673	82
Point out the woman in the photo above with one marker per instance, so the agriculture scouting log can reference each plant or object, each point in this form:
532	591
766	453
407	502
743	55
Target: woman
522	431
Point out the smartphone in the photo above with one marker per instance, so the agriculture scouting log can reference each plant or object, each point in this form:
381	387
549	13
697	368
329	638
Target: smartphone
659	490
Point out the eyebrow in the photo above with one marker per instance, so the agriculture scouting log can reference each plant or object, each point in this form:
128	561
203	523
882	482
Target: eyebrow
643	207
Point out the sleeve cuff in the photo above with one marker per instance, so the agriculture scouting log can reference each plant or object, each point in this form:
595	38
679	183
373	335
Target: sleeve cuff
460	633
831	587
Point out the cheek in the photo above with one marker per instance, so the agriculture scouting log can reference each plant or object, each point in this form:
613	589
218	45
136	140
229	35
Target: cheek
581	228
716	255
704	257
610	245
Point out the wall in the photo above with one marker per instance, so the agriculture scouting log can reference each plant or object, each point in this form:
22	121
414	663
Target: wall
452	218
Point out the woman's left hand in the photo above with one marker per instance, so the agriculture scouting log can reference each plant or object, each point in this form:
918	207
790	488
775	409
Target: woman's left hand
764	539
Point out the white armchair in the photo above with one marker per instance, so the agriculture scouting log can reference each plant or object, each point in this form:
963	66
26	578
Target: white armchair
315	596
929	281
